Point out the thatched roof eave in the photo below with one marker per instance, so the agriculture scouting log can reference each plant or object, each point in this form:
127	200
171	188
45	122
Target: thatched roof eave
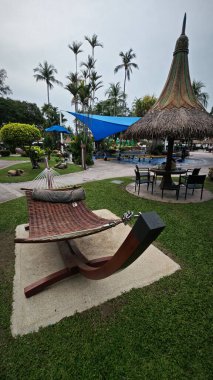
176	123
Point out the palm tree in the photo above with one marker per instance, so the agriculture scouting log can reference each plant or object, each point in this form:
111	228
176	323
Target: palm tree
95	85
89	65
85	75
46	73
73	88
201	96
115	95
75	47
141	106
127	65
93	42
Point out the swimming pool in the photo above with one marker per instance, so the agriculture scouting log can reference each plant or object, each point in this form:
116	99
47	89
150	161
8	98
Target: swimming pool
193	160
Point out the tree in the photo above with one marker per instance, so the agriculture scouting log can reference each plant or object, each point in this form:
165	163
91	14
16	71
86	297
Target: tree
127	65
4	90
90	64
18	135
73	88
141	105
201	96
93	42
95	85
51	115
75	47
115	95
15	111
46	73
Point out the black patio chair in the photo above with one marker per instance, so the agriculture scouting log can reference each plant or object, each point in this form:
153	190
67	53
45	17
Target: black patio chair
194	171
143	176
194	182
173	186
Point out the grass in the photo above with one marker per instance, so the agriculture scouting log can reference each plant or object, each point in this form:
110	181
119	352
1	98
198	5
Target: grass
162	331
14	158
30	174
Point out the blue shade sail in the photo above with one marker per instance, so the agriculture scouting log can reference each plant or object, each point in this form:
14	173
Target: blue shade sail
104	126
57	128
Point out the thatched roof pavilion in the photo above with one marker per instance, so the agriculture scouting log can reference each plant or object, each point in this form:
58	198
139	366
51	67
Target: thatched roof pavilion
177	114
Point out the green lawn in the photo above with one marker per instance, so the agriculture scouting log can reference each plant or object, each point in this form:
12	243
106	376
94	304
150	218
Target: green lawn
163	331
30	174
14	158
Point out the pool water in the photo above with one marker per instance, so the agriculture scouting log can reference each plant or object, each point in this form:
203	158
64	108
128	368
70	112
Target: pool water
148	161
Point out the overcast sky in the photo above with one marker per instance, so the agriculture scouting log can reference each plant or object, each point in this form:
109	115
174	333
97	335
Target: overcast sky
32	31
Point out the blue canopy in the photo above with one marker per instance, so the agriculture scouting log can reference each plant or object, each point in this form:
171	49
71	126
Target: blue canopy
104	126
57	128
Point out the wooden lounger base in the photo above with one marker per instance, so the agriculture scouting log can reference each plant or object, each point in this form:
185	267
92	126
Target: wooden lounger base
145	230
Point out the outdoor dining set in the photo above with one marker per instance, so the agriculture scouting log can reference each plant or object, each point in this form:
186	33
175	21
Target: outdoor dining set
188	179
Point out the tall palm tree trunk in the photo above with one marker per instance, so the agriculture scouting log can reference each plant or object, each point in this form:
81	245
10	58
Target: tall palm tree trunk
48	94
124	101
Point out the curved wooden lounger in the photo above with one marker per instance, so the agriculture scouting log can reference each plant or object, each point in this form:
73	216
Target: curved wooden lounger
145	230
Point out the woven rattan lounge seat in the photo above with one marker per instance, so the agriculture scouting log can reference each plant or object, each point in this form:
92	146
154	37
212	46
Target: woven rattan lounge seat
63	222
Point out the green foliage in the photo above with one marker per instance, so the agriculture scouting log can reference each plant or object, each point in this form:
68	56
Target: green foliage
17	135
142	105
39	151
75	149
4	153
15	111
158	149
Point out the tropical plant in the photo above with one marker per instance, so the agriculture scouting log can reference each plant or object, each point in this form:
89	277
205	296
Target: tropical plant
115	95
75	47
89	65
141	105
46	73
75	147
95	85
201	96
93	42
18	135
51	115
73	88
4	89
84	93
127	65
85	75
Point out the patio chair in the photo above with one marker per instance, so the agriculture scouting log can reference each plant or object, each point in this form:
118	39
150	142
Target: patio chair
183	178
194	182
55	221
173	186
143	176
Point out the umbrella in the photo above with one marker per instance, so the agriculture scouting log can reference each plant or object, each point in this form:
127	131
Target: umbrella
177	114
57	128
60	129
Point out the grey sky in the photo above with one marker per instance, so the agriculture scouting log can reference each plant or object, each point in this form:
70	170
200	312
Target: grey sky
32	31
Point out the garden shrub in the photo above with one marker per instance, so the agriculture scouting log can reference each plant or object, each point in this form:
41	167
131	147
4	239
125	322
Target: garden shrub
17	135
4	153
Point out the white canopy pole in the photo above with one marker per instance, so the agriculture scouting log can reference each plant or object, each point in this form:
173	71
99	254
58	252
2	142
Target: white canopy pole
61	135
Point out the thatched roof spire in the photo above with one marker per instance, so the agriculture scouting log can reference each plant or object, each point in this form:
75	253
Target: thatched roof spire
178	91
184	24
177	113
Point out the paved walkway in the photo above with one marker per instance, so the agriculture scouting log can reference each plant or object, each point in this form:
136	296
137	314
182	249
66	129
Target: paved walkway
101	170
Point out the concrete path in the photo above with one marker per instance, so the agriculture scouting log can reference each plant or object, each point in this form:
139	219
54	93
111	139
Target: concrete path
103	170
